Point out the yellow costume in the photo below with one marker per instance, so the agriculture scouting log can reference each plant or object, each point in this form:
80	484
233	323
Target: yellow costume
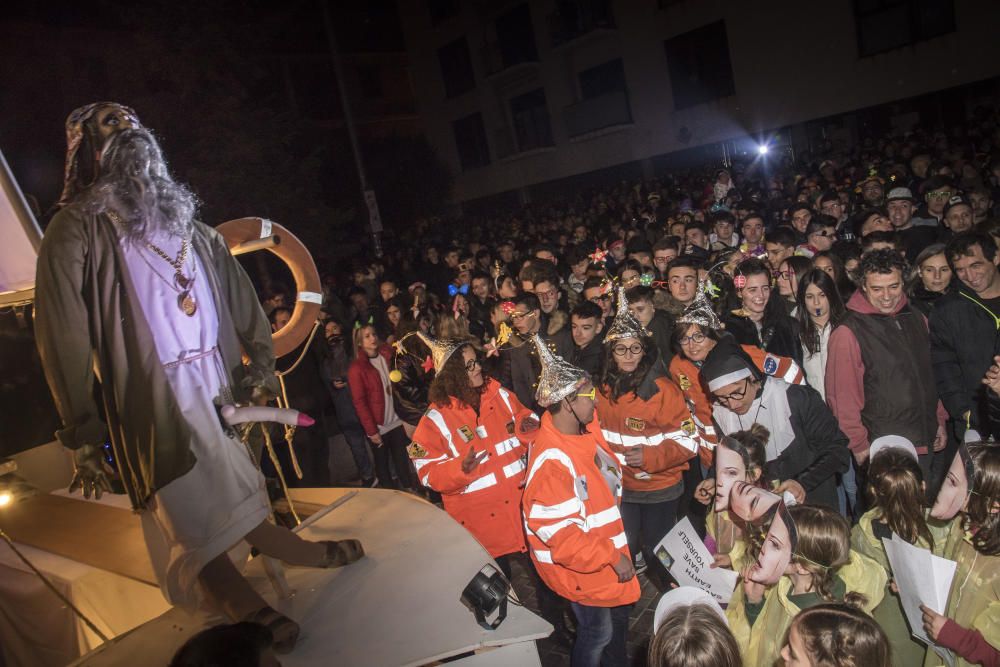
974	601
906	650
761	643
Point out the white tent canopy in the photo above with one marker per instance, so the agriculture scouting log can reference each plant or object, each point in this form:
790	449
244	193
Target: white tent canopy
21	239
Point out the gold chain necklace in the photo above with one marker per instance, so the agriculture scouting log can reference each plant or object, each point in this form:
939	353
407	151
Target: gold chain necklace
185	299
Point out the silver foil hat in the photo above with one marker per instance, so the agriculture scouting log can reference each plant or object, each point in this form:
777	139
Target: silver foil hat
700	311
625	325
559	378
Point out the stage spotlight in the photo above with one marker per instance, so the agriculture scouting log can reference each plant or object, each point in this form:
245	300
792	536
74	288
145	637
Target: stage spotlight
762	149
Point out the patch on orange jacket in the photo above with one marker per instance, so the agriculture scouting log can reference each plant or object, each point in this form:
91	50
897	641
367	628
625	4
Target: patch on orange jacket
635	423
416	451
683	381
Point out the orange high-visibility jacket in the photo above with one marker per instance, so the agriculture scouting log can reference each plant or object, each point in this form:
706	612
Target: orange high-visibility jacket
487	500
571	515
661	424
686	375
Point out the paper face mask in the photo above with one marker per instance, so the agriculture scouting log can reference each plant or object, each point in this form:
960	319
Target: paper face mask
776	552
729	469
749	502
956	486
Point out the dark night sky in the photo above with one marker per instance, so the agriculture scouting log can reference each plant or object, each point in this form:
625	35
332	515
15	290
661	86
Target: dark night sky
40	85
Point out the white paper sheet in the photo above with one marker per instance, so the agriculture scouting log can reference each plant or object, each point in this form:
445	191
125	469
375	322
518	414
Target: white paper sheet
688	560
922	579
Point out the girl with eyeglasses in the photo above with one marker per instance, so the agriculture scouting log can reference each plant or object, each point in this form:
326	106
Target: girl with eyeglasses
645	420
470	446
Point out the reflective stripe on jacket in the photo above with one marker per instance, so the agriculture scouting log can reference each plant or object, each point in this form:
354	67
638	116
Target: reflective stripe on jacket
661	424
571	515
487	500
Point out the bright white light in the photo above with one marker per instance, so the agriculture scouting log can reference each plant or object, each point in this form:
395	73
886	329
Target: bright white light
762	149
5	499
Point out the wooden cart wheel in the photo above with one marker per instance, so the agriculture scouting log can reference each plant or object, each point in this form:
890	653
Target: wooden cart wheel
309	293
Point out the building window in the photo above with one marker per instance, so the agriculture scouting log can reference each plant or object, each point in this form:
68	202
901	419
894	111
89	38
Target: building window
456	68
441	10
531	120
606	78
699	64
470	139
516	36
884	25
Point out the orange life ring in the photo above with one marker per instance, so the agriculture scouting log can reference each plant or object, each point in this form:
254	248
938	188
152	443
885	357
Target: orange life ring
309	292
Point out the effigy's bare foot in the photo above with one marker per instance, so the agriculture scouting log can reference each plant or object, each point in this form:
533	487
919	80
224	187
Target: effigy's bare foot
341	552
285	631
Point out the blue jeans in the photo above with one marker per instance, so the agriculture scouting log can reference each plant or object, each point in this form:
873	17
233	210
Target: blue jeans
847	492
347	419
600	636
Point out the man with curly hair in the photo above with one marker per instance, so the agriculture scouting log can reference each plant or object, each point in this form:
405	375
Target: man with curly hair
881	347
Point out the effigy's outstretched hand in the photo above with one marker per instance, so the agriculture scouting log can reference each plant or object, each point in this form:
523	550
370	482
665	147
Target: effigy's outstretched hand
91	474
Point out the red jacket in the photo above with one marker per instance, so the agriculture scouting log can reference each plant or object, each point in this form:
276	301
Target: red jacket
486	501
367	391
574	526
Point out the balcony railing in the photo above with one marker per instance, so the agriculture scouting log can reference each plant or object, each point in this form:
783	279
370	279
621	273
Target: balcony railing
597	113
575	18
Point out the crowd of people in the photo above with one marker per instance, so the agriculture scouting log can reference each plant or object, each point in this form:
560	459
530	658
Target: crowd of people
565	377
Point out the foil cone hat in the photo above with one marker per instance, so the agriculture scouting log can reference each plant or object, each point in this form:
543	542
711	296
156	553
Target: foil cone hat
624	325
700	311
559	378
441	350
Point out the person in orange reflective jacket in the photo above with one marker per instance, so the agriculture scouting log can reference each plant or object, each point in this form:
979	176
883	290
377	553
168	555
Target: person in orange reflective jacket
646	421
470	447
571	514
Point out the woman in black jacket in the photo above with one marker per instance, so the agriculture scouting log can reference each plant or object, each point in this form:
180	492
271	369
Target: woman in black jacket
761	320
410	388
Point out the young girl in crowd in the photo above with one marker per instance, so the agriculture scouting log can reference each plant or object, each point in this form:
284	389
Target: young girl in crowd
896	493
690	630
836	635
970	625
738	458
823	569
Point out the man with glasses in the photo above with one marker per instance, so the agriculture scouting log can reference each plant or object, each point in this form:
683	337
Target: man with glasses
805	447
598	292
520	366
938	190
